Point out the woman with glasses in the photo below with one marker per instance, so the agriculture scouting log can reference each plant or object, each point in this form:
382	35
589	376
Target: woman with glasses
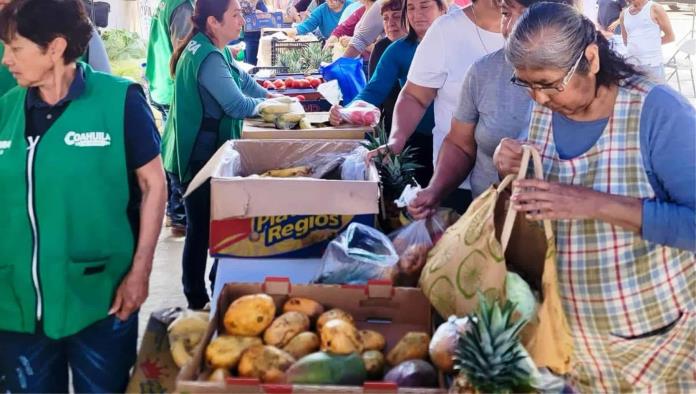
490	108
393	69
619	164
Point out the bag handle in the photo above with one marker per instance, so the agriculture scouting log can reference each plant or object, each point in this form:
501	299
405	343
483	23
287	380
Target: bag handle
528	152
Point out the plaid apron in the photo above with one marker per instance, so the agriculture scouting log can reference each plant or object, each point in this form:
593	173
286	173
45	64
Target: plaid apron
630	303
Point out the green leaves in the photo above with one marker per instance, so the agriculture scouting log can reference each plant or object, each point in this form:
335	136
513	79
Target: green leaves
123	45
490	355
305	60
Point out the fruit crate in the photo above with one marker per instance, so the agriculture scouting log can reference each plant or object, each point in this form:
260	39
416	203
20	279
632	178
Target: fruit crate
376	306
278	47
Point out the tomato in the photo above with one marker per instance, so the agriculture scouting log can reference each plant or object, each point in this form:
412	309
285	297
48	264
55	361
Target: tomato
314	82
267	85
300	97
290	82
279	84
305	83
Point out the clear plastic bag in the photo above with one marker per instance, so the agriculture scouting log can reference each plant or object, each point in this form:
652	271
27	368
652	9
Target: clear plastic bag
359	254
360	113
353	168
412	243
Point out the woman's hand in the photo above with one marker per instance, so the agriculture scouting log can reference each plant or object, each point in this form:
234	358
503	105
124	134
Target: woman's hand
508	157
541	200
425	204
335	115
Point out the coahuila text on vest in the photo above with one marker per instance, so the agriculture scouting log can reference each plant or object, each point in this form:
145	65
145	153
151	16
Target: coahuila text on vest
87	139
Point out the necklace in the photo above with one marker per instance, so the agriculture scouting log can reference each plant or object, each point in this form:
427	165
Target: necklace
478	32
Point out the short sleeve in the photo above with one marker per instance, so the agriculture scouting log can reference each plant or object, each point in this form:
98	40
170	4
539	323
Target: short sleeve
428	68
142	139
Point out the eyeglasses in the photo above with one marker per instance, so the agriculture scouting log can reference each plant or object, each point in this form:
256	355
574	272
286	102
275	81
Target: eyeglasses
552	88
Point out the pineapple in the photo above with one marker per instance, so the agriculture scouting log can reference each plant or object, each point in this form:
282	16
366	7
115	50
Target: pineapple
490	355
305	60
396	172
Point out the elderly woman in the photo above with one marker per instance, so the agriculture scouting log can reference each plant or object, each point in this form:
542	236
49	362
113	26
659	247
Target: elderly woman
620	185
83	196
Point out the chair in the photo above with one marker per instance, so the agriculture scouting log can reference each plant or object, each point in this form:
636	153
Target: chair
683	60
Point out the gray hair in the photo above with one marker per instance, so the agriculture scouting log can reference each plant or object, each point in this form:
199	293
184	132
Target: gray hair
553	35
550	35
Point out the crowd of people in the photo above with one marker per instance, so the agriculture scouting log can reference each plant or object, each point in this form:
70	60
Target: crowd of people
86	173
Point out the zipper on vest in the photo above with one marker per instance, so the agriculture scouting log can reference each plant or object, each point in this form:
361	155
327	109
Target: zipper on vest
31	152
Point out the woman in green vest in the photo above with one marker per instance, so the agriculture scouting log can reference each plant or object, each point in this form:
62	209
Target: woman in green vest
211	97
95	56
82	202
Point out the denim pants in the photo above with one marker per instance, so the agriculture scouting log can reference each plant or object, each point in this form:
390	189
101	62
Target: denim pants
100	357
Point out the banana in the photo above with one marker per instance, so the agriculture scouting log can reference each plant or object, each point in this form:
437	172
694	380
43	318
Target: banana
274	108
185	333
269	118
179	353
289	172
292	117
304	124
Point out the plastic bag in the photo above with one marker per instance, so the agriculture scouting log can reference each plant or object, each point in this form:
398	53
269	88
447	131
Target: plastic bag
359	254
353	168
349	74
360	113
412	243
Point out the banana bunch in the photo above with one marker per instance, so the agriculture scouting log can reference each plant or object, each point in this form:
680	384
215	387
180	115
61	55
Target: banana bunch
284	112
289	172
185	333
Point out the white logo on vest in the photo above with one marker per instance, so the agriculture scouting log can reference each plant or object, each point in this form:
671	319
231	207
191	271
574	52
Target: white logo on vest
87	139
5	145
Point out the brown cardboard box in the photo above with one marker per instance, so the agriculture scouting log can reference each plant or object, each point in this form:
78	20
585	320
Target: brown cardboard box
155	370
255	216
258	129
392	311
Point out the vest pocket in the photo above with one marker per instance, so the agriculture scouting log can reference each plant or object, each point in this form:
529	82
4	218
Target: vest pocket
664	357
89	281
10	307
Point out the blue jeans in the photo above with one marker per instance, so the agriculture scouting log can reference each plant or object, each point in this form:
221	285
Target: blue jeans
100	357
175	202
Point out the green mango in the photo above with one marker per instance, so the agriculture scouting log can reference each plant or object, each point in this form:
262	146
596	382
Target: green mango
325	368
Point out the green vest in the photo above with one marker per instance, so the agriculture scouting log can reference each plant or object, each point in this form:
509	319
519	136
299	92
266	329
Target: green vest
159	52
67	241
7	81
186	113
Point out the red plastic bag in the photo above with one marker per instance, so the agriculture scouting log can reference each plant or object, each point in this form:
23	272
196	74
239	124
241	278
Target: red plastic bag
361	113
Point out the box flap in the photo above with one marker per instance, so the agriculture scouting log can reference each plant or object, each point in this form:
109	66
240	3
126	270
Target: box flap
209	169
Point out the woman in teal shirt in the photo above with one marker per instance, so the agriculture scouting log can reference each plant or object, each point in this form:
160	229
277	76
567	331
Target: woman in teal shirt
212	96
393	68
325	18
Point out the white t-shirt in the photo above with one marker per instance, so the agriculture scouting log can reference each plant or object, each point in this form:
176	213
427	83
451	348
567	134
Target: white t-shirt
448	49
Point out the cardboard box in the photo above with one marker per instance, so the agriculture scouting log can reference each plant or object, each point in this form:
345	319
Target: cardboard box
259	20
155	370
377	306
231	270
260	130
282	217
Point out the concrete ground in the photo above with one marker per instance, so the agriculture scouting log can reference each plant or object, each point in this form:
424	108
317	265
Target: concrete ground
165	282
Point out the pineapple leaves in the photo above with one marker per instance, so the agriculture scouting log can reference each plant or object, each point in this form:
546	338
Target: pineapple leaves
490	355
